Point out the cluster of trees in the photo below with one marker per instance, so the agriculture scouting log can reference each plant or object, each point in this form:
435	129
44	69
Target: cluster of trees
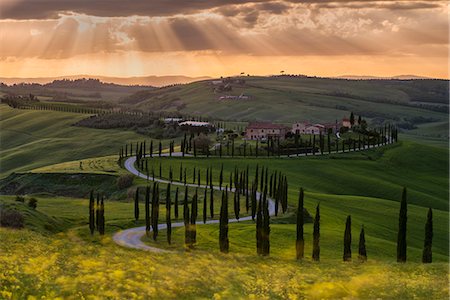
96	214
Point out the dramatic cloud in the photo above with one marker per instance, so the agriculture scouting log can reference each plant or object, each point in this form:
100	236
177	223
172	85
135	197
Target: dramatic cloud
221	30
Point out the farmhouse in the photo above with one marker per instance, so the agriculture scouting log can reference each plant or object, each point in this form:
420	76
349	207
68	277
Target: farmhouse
265	130
346	123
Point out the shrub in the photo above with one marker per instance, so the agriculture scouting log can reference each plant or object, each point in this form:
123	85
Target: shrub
20	198
125	181
32	202
11	218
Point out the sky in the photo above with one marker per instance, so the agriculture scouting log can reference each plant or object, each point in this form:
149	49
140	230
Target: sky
45	38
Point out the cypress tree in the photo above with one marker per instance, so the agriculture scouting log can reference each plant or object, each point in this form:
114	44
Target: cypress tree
91	212
168	220
223	225
194	174
194	212
401	239
176	203
236	204
256	177
265	226
151	148
427	253
102	218
316	235
300	242
259	224
155	211
205	208
160	149
362	254
147	210
253	199
187	230
211	203
97	212
348	240
136	205
221	177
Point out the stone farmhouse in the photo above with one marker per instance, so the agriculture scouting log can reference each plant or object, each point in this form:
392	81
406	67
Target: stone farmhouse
264	131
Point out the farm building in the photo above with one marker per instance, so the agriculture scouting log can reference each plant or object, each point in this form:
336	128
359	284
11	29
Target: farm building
264	131
308	128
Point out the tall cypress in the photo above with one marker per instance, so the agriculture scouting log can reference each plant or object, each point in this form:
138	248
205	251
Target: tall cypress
147	210
237	204
253	200
168	217
259	224
265	226
91	212
205	208
300	242
221	177
97	212
316	235
401	239
102	218
362	253
155	211
136	205
427	253
348	240
194	212
223	225
211	203
176	203
187	231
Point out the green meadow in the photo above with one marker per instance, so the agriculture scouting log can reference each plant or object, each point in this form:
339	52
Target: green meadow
54	256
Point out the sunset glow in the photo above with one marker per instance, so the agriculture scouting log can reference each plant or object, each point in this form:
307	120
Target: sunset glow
327	38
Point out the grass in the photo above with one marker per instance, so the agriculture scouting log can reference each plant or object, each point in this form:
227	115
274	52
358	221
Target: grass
33	139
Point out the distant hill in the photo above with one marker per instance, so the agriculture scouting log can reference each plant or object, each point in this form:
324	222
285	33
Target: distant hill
398	77
286	99
144	81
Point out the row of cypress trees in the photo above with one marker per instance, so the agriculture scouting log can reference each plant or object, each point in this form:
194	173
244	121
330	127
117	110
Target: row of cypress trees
96	214
362	253
384	136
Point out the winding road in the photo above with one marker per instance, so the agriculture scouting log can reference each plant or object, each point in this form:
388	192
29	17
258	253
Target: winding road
132	237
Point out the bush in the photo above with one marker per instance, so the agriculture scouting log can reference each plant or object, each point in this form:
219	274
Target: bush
11	218
32	202
20	198
125	181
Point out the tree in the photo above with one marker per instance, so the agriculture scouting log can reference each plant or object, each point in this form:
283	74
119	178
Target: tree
168	220
160	149
362	254
176	203
205	208
401	238
223	225
194	212
265	226
352	119
147	210
211	203
300	242
348	239
155	210
97	212
136	205
91	212
237	203
359	120
427	253
259	224
187	231
221	177
101	228
316	235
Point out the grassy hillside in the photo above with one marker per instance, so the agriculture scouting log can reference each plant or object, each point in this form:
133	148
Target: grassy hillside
32	139
288	99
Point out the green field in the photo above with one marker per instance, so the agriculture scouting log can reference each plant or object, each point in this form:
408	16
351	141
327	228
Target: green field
32	139
55	256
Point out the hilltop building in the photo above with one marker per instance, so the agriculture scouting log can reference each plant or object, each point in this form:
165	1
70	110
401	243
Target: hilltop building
264	131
